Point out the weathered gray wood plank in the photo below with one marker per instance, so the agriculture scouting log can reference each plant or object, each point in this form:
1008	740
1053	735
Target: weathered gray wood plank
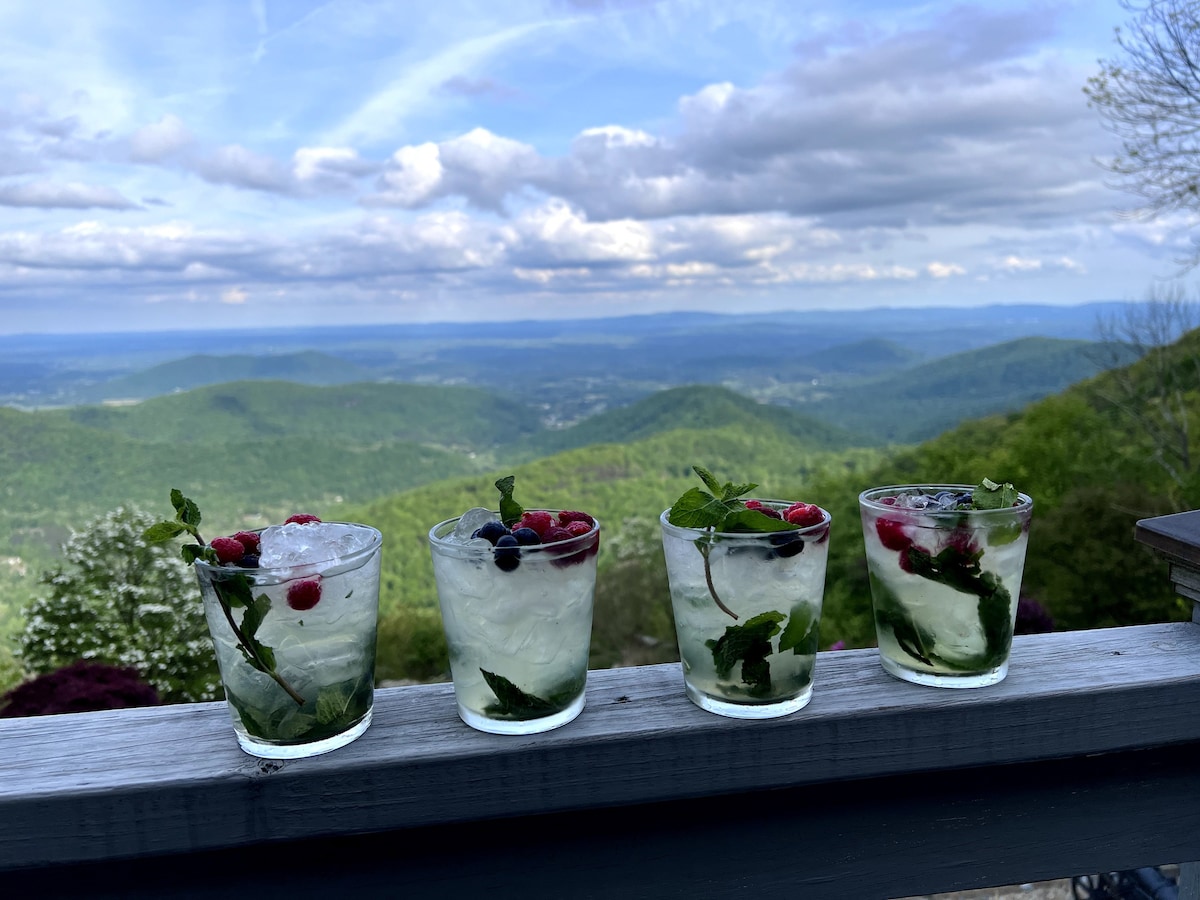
1176	535
171	780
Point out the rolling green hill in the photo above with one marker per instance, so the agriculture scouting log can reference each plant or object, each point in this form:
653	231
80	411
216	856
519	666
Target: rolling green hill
363	414
308	367
925	400
693	407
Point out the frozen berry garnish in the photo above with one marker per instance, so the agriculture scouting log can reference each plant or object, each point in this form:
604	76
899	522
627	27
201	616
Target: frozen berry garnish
249	540
228	550
556	534
526	537
803	514
578	528
567	516
249	561
507	553
537	519
302	519
490	531
786	544
303	595
892	534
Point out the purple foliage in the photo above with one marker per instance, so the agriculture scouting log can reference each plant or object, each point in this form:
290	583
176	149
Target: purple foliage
1032	618
80	687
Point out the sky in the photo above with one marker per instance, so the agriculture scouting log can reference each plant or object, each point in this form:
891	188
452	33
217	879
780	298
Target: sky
241	163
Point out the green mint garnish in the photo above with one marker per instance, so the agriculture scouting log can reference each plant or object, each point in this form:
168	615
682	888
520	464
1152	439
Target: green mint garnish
514	703
510	510
989	495
749	643
232	593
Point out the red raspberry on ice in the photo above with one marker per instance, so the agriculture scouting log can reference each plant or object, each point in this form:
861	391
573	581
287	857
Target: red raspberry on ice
301	519
303	595
228	550
567	516
249	540
537	519
892	535
556	534
803	514
577	528
754	504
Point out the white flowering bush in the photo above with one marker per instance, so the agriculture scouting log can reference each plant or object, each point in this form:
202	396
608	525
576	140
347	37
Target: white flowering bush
118	600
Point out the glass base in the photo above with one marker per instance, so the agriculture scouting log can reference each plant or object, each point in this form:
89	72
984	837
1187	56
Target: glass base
931	679
480	722
255	747
735	710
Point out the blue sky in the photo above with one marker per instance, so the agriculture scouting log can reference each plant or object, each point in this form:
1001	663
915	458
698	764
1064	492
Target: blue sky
229	164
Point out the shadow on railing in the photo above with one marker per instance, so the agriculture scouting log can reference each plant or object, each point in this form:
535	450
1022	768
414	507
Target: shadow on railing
1082	760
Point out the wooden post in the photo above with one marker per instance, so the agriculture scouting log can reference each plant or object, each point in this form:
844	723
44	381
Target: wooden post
1177	539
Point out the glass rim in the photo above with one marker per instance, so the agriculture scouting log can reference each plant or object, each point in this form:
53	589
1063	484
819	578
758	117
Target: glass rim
869	499
681	530
290	570
544	551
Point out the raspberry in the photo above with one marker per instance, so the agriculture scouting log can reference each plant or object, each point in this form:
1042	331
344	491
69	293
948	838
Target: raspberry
228	550
578	528
773	513
557	534
537	519
301	519
892	536
803	514
304	595
963	543
754	504
249	540
567	516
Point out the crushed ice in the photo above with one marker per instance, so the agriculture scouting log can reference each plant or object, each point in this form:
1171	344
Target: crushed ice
469	523
294	544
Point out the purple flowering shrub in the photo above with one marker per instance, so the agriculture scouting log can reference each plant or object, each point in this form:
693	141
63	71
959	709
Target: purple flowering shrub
80	687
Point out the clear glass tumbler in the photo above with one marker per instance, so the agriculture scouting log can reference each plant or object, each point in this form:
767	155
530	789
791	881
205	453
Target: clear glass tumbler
944	583
296	645
518	625
747	614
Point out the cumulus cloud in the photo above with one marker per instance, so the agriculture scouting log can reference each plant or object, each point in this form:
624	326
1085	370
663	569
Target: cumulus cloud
162	139
235	165
70	195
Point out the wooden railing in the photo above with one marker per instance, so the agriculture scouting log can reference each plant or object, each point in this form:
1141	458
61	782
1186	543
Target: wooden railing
1085	759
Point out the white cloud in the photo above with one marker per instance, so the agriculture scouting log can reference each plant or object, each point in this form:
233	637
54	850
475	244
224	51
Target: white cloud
234	296
944	270
71	195
156	142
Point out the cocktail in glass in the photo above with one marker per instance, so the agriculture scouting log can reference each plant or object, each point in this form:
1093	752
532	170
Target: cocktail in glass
518	623
295	637
747	612
945	581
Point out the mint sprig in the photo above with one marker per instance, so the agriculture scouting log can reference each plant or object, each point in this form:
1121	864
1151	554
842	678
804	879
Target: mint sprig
510	510
233	592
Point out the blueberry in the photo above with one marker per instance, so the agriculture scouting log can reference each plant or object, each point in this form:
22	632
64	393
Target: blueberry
527	537
507	554
490	531
249	561
786	544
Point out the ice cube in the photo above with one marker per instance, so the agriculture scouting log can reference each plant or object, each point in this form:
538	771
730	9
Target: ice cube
294	544
469	523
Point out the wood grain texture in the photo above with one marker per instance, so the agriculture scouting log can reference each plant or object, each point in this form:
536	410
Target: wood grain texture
101	786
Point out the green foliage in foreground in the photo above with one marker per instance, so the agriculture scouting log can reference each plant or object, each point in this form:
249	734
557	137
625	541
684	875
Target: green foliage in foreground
117	600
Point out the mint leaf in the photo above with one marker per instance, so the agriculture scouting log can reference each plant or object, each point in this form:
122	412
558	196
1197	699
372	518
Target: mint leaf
513	702
708	478
333	701
752	520
990	495
162	531
732	491
799	636
697	509
510	510
749	643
